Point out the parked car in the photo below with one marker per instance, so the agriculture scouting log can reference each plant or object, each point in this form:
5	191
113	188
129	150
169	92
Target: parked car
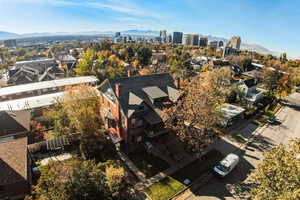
273	121
226	165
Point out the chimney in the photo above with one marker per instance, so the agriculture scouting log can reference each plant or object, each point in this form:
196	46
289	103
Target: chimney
118	112
177	82
118	89
129	73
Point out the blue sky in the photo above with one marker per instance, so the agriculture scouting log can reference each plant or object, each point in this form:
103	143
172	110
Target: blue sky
271	23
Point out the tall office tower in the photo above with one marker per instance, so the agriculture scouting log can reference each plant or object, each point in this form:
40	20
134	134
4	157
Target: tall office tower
195	40
10	43
187	39
163	36
169	39
235	42
214	44
203	42
117	34
177	37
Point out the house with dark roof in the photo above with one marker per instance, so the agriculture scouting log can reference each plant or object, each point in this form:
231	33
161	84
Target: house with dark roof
251	92
15	173
132	107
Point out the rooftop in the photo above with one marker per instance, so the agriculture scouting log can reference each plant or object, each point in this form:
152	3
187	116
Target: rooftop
13	161
47	84
229	111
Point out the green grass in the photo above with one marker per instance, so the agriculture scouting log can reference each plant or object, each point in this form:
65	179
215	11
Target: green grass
164	189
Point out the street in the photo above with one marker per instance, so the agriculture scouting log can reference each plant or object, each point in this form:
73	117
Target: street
250	156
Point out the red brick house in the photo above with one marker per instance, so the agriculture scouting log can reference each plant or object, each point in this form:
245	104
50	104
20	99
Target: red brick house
131	106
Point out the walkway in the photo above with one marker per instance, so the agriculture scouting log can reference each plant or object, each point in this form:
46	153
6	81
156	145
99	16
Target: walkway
141	176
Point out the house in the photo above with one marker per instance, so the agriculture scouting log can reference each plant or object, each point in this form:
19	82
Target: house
132	106
66	60
217	63
252	94
230	113
15	176
29	74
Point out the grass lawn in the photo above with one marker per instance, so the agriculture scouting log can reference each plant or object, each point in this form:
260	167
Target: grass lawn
197	168
164	189
149	164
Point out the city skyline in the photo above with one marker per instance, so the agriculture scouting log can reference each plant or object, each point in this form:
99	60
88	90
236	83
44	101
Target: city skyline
255	21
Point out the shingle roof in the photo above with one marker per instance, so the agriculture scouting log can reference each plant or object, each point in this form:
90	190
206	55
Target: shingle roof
137	86
250	83
13	161
10	124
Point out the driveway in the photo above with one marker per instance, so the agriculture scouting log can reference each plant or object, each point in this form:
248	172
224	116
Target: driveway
268	136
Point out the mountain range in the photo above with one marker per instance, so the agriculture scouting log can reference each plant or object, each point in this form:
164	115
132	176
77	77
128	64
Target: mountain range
244	46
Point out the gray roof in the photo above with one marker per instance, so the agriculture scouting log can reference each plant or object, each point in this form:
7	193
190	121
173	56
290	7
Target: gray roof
9	124
138	89
154	92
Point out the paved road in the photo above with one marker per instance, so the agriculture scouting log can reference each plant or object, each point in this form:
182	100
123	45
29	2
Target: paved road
225	188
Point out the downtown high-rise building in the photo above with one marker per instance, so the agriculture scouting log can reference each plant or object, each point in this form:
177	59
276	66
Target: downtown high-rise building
163	36
203	42
235	43
190	40
177	37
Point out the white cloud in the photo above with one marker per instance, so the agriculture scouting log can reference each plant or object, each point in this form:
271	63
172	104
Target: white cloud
127	7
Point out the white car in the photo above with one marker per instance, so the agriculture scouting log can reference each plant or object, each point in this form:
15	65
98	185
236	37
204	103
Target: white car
227	165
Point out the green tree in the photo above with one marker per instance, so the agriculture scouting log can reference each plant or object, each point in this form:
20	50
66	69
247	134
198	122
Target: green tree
144	54
278	176
85	65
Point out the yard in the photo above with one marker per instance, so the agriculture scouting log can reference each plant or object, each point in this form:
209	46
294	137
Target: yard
164	189
147	163
173	184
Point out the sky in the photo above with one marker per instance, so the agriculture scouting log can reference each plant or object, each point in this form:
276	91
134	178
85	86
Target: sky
271	23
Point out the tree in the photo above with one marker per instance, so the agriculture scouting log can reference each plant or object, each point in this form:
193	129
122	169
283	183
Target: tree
143	55
71	179
198	108
82	106
86	63
58	116
278	176
78	111
271	80
115	179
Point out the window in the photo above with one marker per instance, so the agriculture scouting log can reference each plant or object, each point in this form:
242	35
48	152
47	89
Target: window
135	123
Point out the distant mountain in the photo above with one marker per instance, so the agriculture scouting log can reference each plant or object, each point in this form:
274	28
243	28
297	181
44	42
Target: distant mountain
7	35
140	32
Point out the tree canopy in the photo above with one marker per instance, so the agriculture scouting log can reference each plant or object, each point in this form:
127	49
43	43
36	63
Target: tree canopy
278	176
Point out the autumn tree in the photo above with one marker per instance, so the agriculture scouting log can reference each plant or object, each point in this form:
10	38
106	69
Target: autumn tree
82	106
198	108
115	178
71	179
278	176
86	63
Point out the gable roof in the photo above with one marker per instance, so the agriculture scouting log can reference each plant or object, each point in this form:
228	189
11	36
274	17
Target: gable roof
12	123
13	161
250	83
138	89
